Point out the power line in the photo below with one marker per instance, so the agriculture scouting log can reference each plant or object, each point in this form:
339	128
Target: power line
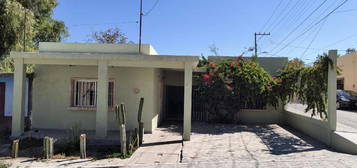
313	39
287	15
280	14
271	16
152	8
284	16
341	40
313	25
301	23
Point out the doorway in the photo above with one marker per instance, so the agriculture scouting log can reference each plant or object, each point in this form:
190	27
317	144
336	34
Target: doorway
5	122
174	103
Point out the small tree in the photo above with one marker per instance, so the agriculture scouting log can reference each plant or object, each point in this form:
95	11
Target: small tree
111	36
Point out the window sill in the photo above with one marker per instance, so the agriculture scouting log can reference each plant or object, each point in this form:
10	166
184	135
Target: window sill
110	109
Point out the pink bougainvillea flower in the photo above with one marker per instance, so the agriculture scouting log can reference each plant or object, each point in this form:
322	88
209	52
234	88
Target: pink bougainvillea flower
269	87
205	76
239	57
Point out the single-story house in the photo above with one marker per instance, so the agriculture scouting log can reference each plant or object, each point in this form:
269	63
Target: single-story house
6	94
81	83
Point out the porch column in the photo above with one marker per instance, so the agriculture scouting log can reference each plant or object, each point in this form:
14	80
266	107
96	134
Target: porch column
187	102
102	100
18	103
331	90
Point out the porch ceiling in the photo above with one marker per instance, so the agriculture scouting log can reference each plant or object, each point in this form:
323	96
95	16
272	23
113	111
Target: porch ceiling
123	60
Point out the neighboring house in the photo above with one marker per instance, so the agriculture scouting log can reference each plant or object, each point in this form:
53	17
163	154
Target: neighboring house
6	92
81	83
347	80
270	64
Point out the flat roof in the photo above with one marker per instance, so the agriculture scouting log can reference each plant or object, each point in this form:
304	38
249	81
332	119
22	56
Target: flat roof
104	56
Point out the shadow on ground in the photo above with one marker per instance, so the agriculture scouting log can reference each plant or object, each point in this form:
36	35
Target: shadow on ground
278	143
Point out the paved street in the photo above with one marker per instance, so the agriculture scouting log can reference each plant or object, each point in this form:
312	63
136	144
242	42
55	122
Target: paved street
348	120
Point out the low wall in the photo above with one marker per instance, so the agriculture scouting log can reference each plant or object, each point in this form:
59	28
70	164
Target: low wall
270	115
313	127
319	130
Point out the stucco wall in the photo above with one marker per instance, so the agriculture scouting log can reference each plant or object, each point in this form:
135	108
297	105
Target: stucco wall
8	79
174	78
51	96
270	115
348	66
270	64
319	130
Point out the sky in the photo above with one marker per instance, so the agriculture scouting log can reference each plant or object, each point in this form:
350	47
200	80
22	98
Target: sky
298	28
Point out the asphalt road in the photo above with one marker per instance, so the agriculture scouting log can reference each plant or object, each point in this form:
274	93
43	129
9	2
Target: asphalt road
346	119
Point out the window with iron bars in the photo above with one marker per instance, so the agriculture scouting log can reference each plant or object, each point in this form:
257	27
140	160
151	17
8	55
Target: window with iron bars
84	93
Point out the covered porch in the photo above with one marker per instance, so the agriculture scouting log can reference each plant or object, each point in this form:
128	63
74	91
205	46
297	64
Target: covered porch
103	61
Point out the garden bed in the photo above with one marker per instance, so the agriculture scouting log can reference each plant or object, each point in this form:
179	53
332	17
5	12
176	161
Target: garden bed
33	148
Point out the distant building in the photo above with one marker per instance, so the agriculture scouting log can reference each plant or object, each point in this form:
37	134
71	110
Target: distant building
270	64
347	80
6	92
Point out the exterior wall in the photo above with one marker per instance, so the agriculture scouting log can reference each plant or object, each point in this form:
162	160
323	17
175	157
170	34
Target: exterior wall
319	130
269	64
348	66
51	96
270	115
8	79
313	127
157	97
174	78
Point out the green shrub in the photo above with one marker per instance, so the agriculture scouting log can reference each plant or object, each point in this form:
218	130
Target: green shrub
4	165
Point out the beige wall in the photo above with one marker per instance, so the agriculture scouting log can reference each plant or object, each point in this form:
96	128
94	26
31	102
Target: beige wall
270	115
51	96
348	65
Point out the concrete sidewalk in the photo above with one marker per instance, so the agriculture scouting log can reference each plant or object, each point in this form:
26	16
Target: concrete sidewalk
259	146
219	145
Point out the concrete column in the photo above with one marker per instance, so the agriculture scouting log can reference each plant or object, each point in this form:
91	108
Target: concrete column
18	104
187	102
101	123
331	90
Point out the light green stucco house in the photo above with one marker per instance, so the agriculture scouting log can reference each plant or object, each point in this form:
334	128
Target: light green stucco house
80	83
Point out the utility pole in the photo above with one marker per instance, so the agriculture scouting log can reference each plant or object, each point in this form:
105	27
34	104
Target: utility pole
255	42
140	24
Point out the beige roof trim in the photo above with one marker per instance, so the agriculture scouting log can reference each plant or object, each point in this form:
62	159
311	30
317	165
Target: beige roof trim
136	60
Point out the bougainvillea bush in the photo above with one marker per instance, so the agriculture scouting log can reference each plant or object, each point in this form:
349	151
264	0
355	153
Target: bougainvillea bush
228	86
306	84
